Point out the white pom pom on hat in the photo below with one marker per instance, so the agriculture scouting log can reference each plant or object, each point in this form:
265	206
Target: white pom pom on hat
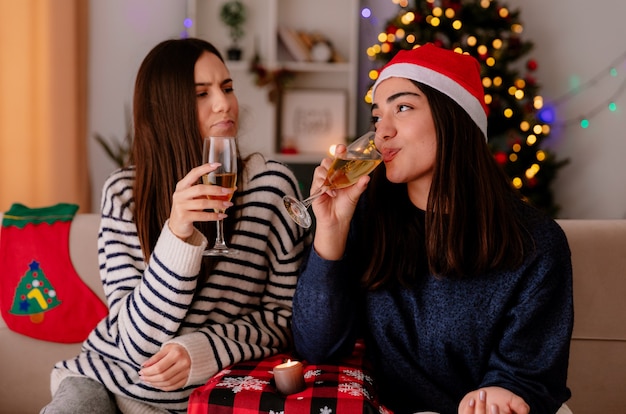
454	74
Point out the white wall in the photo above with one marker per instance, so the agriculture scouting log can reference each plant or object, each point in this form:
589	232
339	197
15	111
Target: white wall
574	40
121	34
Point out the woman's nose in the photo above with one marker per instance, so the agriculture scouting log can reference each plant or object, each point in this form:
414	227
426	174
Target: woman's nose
221	103
384	131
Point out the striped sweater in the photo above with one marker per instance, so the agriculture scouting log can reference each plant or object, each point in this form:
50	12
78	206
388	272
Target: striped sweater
242	312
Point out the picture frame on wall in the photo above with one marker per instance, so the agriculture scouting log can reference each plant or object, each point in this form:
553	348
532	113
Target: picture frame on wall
313	120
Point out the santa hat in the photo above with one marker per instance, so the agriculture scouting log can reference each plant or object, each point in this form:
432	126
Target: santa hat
451	73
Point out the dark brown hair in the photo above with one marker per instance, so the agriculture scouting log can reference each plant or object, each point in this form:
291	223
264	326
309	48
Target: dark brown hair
471	224
167	142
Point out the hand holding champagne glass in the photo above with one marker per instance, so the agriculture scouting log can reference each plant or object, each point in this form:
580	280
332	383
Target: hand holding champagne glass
359	159
222	150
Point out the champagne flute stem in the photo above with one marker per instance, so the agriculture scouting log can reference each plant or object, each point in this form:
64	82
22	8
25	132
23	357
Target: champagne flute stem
308	201
219	238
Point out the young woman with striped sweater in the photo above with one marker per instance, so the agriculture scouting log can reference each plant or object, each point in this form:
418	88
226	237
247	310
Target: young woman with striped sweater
175	319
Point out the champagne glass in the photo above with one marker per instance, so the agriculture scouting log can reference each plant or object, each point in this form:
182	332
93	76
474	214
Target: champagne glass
359	159
221	150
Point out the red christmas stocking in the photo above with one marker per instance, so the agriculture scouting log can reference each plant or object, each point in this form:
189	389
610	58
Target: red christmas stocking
41	295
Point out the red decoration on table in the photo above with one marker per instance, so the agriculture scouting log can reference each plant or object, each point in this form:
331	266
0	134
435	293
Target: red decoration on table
249	387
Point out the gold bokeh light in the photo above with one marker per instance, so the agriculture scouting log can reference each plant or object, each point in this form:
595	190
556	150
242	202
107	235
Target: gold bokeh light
524	126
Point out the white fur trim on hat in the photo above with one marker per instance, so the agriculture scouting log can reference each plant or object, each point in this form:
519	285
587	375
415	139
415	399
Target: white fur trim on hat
442	83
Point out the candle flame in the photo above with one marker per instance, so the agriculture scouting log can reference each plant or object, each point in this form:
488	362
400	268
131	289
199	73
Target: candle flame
287	364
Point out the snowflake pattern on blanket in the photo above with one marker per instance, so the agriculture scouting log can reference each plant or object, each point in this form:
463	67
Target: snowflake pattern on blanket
248	387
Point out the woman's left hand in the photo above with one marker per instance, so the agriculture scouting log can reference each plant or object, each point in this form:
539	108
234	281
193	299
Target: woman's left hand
493	400
168	369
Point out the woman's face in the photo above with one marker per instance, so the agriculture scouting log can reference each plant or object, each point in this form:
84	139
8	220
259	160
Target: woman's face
218	109
405	135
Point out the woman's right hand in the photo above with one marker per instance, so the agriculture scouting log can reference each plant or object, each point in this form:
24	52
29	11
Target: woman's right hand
493	400
333	211
190	200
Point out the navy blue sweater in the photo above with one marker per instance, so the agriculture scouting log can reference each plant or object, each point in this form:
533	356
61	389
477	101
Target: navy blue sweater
432	344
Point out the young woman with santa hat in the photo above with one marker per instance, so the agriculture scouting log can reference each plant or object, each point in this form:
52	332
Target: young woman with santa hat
461	291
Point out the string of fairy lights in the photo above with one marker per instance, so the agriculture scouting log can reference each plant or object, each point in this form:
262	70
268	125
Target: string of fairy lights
610	73
448	15
546	108
518	149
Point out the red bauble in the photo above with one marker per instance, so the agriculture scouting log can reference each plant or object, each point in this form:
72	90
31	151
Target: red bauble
531	64
501	157
452	4
391	29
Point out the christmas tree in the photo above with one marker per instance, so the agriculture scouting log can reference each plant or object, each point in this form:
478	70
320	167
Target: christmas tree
34	294
491	33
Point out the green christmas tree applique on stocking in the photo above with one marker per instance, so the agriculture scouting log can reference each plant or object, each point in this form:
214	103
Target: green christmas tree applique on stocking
41	295
34	295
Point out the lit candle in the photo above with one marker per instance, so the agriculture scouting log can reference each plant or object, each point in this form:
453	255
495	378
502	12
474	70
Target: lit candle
289	377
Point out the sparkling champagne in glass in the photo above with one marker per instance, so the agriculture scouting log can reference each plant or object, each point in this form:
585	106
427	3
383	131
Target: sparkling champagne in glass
222	150
359	159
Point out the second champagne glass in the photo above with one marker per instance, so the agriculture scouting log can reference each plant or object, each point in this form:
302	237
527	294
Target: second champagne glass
222	150
360	158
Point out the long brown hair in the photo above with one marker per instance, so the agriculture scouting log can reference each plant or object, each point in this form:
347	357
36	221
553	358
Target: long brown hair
471	224
167	142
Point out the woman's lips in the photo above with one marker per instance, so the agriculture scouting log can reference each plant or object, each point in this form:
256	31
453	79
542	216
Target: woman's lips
389	154
222	126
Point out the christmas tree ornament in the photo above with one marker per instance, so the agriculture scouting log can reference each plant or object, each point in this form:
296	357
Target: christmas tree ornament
34	294
41	295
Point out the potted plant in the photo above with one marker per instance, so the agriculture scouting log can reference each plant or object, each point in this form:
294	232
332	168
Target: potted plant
233	15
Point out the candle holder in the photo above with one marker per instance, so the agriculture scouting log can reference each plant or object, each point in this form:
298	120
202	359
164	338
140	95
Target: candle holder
289	377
